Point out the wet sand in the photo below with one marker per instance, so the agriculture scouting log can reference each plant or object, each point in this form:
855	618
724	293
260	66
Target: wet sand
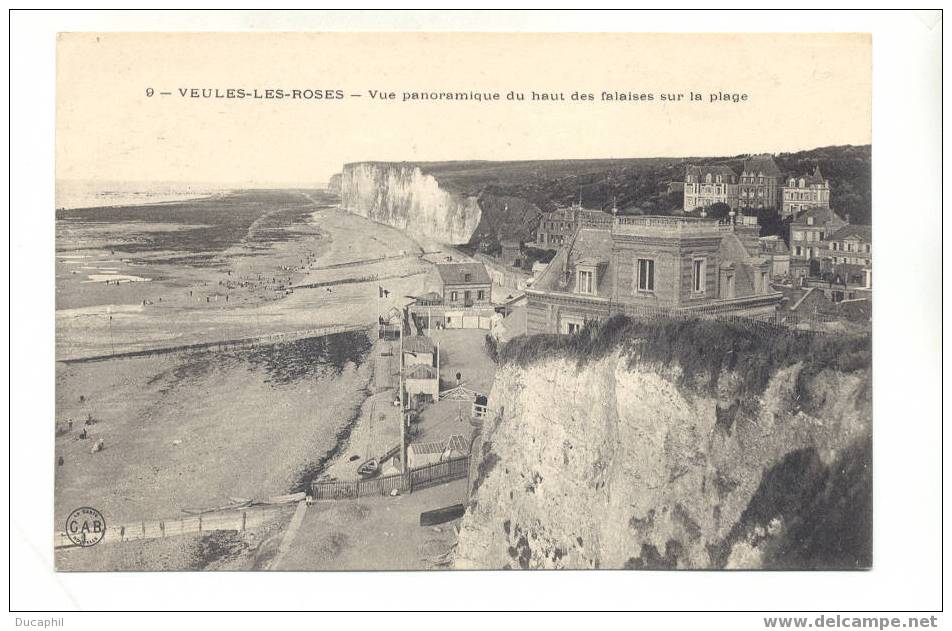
191	430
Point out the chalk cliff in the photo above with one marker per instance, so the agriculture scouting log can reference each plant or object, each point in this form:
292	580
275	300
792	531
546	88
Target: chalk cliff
648	459
333	183
403	196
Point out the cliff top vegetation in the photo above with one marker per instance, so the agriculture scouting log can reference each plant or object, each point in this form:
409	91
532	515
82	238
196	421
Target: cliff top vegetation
702	349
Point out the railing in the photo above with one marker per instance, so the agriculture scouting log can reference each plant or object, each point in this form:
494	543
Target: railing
662	221
414	479
677	226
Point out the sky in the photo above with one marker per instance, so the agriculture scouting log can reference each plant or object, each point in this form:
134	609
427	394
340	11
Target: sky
803	91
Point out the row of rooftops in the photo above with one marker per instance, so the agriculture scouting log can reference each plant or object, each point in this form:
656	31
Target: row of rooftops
827	218
756	166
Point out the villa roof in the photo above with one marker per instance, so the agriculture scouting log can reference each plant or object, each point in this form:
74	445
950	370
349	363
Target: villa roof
853	230
820	216
761	164
455	273
815	178
713	169
417	344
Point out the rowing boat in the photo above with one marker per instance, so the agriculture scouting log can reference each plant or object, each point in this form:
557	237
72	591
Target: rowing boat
369	468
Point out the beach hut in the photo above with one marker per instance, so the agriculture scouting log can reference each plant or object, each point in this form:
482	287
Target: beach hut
423	382
422	454
418	350
427	453
389	324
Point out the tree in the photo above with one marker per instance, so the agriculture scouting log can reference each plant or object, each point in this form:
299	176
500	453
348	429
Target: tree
770	222
718	210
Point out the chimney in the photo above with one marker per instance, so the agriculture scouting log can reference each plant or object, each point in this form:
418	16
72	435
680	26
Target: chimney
847	218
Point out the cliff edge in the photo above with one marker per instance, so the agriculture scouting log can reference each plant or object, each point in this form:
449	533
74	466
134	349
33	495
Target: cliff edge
674	445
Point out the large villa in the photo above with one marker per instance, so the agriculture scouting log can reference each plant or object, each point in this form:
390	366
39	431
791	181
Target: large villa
653	265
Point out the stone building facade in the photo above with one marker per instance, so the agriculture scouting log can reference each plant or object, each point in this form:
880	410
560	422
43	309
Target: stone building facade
760	183
806	192
847	255
707	185
807	233
556	227
652	265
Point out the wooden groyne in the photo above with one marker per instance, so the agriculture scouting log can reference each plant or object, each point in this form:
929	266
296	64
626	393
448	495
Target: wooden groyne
370	261
222	345
238	520
359	279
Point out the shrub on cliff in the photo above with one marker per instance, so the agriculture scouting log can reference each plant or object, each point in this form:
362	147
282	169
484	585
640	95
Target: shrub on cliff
492	348
702	349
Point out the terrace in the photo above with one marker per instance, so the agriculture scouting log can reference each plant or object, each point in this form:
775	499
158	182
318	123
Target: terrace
651	225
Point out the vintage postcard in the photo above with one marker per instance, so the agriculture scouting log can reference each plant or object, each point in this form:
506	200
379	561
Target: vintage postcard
452	301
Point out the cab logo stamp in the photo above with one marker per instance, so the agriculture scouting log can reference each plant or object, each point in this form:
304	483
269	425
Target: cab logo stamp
85	527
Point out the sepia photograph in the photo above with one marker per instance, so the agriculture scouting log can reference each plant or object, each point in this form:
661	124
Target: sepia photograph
359	310
603	363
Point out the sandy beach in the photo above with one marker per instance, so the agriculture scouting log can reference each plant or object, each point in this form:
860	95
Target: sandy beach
194	429
190	430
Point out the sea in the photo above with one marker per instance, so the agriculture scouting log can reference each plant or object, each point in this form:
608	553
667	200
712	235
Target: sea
100	193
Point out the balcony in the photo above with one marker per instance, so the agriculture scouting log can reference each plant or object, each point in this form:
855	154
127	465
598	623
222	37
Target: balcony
648	225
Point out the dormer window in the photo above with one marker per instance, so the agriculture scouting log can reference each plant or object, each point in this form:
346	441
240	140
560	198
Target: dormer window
586	281
718	179
707	178
467	278
809	221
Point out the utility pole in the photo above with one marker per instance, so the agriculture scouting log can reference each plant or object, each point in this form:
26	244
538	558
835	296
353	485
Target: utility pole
403	420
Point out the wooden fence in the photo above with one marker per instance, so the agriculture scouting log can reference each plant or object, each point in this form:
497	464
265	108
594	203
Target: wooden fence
157	529
414	480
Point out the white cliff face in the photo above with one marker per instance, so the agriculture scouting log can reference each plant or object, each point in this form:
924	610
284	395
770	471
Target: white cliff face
609	467
402	196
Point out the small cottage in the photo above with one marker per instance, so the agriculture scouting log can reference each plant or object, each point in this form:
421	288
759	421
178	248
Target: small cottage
418	349
427	453
422	383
